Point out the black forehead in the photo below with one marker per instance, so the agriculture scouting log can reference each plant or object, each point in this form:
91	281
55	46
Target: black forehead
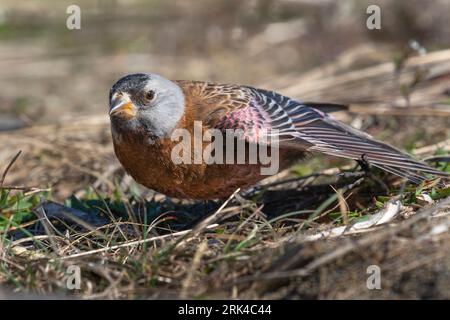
131	82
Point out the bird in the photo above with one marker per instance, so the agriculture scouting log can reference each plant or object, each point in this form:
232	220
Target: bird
146	109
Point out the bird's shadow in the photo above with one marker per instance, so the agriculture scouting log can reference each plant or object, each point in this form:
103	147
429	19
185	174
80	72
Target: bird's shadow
275	199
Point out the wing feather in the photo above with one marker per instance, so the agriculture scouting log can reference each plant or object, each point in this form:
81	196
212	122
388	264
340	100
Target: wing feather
308	127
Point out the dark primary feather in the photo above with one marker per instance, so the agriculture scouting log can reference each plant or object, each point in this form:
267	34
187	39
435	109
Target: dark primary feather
308	126
330	136
326	107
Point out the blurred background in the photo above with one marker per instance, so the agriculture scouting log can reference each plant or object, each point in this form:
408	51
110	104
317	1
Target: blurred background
396	78
49	72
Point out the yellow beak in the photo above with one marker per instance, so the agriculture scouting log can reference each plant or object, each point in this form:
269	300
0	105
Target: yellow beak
121	104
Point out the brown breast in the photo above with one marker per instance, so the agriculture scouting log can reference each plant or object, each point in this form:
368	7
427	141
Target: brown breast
152	166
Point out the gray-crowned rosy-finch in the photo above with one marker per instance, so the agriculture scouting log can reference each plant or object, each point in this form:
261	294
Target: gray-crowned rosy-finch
146	109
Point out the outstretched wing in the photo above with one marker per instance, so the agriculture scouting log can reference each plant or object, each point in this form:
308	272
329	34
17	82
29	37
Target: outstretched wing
305	126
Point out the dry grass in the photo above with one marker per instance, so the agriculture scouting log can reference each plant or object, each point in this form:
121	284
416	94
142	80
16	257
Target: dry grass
236	253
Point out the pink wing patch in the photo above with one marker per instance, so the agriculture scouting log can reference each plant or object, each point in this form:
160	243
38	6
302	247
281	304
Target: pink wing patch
253	122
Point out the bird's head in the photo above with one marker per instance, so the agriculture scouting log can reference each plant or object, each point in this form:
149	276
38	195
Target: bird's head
146	102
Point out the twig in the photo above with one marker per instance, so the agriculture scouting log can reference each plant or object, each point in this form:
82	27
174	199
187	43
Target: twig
434	147
132	243
195	264
9	167
26	190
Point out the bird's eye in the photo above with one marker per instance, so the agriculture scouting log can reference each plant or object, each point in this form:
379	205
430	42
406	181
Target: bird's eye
149	95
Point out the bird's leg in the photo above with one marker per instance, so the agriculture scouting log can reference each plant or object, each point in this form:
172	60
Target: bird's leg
364	164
